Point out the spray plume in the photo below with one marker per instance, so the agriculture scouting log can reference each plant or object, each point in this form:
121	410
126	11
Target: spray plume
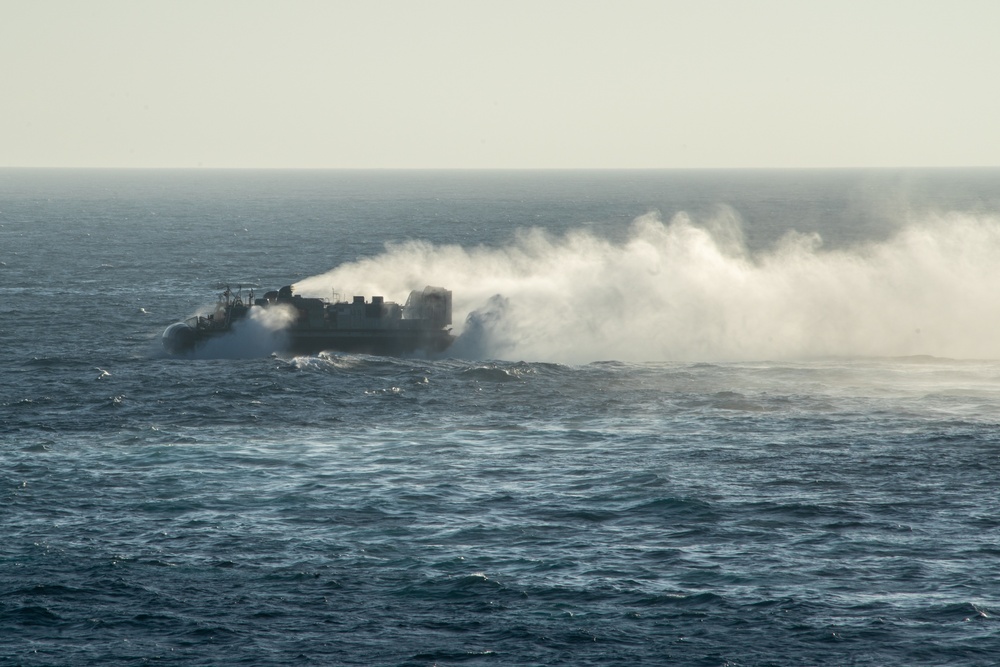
690	291
260	334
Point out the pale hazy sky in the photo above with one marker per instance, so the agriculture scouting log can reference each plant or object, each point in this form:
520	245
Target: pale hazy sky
499	83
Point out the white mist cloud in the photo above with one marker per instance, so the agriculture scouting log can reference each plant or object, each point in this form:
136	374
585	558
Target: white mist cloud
690	290
260	334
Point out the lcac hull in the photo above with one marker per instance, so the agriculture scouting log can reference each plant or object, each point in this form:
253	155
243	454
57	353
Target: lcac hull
182	339
375	327
386	343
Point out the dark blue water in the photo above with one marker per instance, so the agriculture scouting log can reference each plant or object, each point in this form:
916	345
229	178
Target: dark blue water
655	475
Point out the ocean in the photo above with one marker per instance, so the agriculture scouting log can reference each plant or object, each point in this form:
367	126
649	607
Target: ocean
714	418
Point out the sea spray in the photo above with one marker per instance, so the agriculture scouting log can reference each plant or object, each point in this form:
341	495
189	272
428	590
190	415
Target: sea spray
691	290
261	333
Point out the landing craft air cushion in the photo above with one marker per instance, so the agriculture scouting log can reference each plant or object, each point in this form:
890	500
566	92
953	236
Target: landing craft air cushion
370	327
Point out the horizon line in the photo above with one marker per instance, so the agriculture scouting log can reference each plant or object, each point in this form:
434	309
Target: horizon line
500	169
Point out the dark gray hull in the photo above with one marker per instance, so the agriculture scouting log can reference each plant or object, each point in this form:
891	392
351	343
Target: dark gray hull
389	343
375	327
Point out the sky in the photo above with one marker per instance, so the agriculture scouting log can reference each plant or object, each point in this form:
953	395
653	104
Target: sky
502	84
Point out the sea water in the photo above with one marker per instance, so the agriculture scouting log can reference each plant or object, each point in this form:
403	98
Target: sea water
695	418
